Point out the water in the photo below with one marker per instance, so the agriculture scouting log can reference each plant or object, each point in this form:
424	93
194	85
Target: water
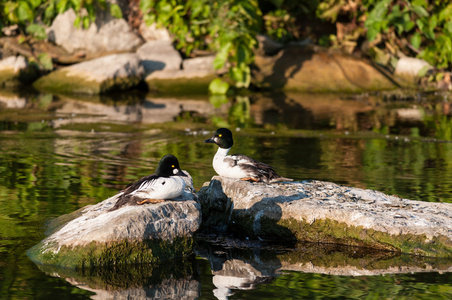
60	154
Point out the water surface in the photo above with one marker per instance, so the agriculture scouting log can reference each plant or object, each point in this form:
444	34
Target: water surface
60	154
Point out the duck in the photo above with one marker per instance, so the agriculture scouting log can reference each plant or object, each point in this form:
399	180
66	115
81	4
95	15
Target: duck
165	184
237	165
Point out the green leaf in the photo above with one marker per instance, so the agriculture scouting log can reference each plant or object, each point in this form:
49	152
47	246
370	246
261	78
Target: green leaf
222	56
446	13
420	11
77	21
416	40
218	87
423	71
49	12
86	22
34	3
243	54
115	11
24	12
62	6
46	61
241	75
439	76
37	31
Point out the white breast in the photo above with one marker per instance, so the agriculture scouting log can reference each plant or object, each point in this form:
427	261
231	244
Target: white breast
224	168
162	188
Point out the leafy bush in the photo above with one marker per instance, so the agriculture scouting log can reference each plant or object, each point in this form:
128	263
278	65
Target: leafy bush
227	27
28	14
419	27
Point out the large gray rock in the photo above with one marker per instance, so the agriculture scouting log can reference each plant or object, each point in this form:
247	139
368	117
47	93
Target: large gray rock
411	66
316	211
312	69
153	33
97	76
159	55
107	34
194	77
93	236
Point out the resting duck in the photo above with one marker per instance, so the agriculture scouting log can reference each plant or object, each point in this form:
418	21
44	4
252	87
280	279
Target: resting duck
164	184
238	165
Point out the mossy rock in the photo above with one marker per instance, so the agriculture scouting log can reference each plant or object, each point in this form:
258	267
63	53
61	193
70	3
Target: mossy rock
178	84
123	252
9	78
94	236
323	212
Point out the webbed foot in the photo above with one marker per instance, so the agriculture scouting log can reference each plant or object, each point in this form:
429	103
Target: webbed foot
250	179
152	201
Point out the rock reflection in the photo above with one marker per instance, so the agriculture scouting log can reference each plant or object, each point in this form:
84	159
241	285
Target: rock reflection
134	109
245	265
172	281
289	110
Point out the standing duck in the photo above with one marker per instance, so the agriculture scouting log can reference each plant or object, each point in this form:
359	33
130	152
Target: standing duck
164	184
238	165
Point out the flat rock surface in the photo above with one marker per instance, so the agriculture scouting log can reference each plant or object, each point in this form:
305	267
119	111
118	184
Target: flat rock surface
96	76
166	220
378	220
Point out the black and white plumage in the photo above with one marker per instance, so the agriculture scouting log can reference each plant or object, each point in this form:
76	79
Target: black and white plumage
164	184
238	165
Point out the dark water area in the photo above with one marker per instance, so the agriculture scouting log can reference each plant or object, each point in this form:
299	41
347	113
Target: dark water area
59	154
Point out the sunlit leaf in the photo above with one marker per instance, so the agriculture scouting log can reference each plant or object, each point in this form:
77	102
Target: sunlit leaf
24	12
35	3
37	31
222	56
420	11
423	71
416	40
218	87
46	61
62	6
115	11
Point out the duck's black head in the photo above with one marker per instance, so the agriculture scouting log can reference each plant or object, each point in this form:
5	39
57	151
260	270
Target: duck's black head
222	137
169	166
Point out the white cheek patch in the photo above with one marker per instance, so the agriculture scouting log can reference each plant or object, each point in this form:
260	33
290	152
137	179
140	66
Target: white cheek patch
175	171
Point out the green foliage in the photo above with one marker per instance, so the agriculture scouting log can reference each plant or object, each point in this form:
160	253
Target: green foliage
228	28
218	87
29	13
418	27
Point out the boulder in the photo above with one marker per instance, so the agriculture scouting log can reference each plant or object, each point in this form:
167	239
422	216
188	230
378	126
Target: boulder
159	55
324	212
152	32
101	75
107	34
408	68
15	71
194	77
310	69
95	237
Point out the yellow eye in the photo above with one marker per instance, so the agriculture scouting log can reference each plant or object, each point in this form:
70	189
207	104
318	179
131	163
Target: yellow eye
172	166
220	135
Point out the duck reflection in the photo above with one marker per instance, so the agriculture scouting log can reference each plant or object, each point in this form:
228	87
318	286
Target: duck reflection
244	265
